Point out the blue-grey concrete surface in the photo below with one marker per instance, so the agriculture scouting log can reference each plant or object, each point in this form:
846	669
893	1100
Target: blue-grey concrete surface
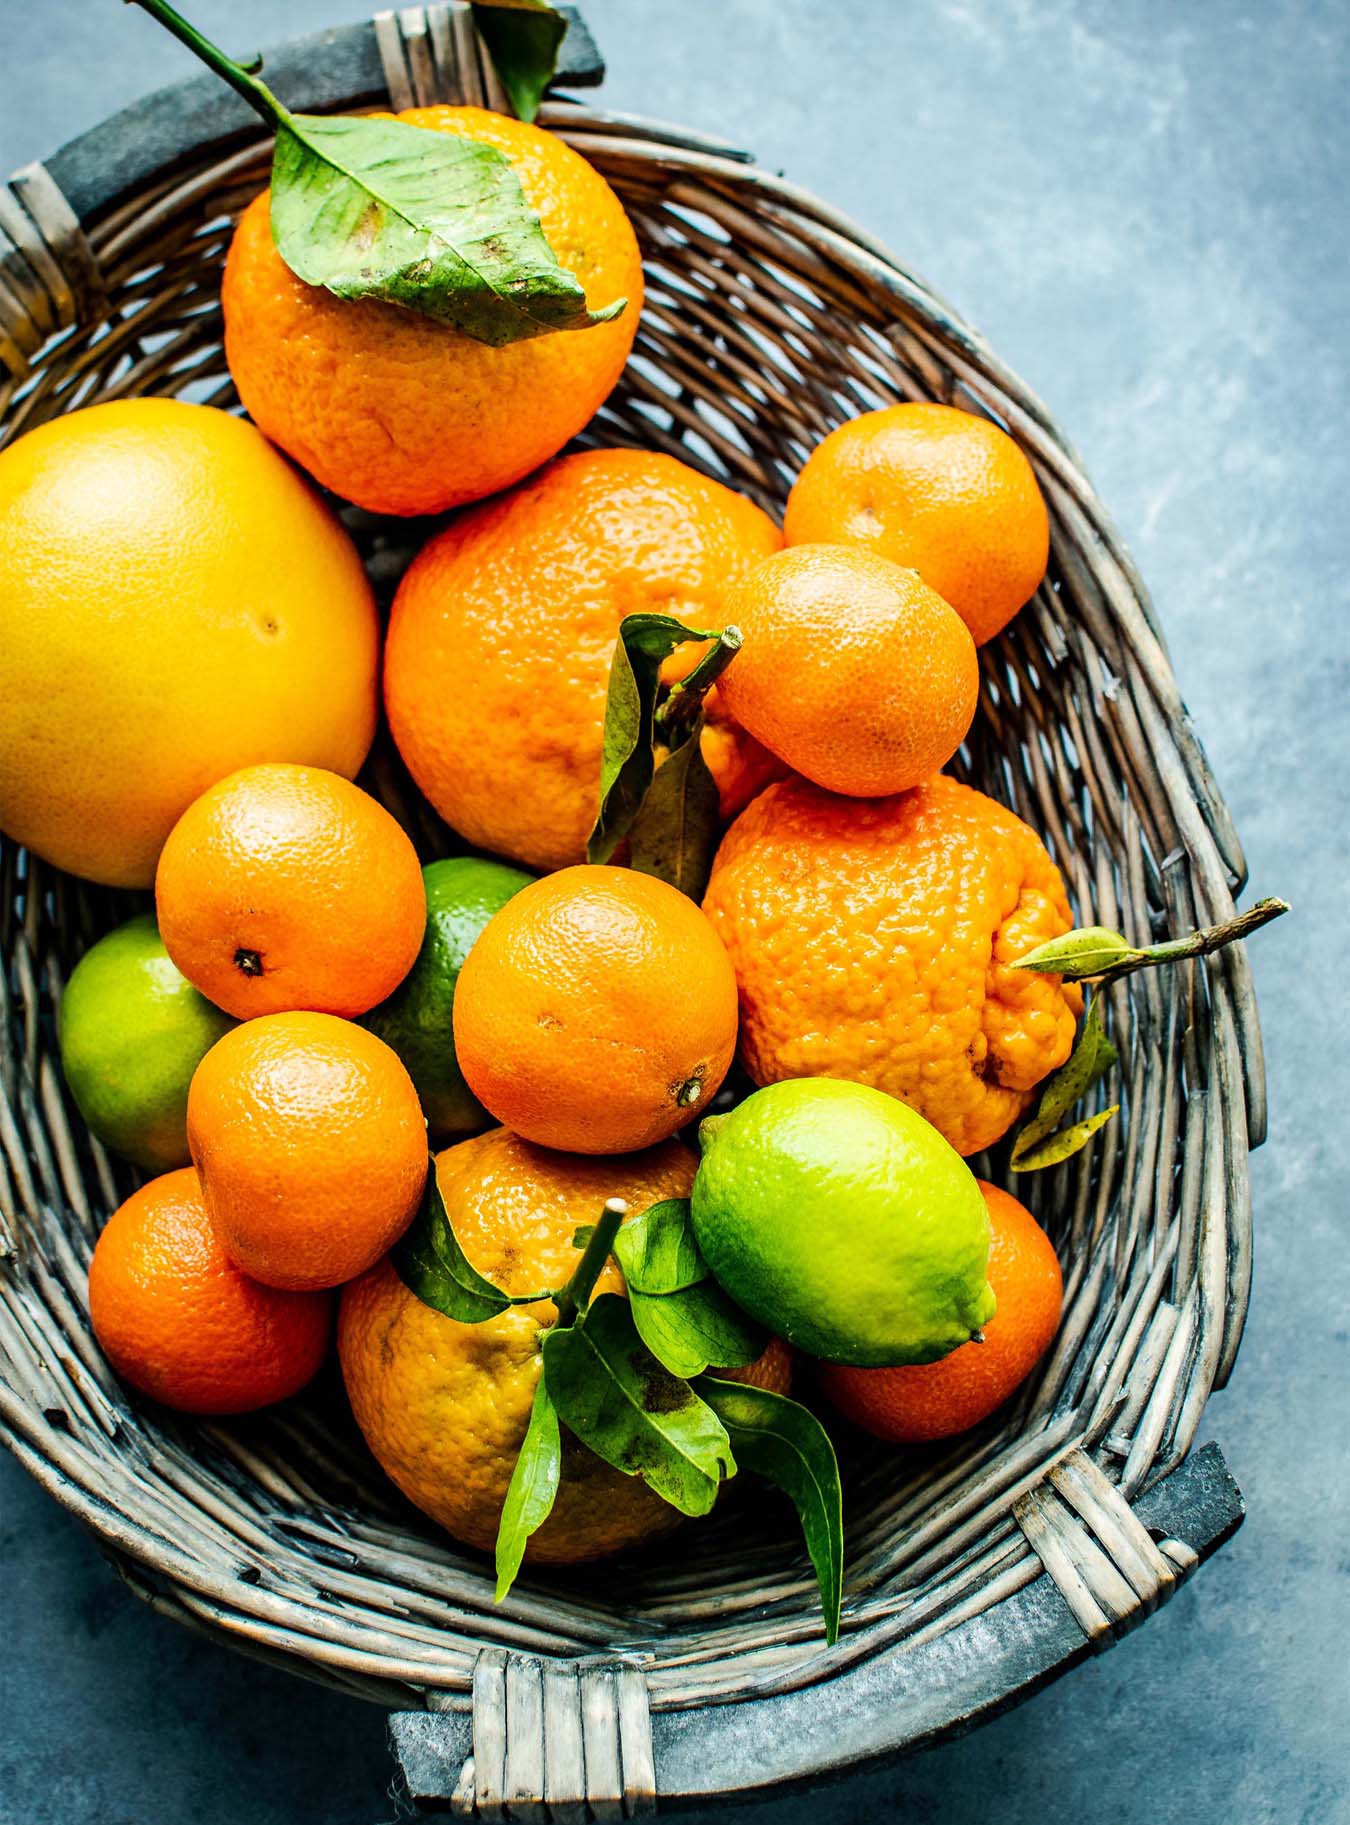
1142	202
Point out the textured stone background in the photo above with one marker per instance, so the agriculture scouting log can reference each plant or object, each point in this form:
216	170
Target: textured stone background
1142	203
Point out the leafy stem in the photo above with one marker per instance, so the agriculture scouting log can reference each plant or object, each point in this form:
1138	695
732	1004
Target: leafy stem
254	91
1097	954
572	1299
685	698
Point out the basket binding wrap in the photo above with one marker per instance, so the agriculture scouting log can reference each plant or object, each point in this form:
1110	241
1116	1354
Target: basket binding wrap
770	318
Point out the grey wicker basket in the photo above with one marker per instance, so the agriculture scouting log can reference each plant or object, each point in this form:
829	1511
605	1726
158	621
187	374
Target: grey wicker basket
974	1573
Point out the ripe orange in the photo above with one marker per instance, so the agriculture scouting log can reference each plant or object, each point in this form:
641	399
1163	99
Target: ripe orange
941	491
178	1320
287	887
596	1012
853	671
311	1146
400	413
938	1399
444	1406
497	662
175	602
872	938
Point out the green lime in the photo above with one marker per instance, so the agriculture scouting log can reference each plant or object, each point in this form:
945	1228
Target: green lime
841	1219
132	1031
463	892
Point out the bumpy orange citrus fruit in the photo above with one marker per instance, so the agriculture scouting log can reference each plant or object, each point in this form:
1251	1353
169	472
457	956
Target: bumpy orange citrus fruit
596	1012
287	887
941	491
499	649
853	671
311	1146
872	940
178	1320
444	1406
175	602
400	413
938	1399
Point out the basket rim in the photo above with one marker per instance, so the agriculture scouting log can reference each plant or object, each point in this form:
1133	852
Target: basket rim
314	72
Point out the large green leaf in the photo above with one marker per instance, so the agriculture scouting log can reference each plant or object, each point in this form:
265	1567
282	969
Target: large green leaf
674	835
523	38
657	1251
615	1396
431	1263
784	1442
696	1329
533	1485
380	209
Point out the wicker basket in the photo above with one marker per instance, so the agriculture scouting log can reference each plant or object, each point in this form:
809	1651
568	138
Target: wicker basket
973	1574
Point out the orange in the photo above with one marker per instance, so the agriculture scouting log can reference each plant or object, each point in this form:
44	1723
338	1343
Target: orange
941	491
444	1406
937	1399
311	1146
286	887
853	671
400	413
175	602
872	941
497	662
596	1012
178	1320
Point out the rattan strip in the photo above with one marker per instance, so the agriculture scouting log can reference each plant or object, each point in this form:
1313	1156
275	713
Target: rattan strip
769	320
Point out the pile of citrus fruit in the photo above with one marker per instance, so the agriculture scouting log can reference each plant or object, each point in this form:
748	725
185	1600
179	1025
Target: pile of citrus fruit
195	669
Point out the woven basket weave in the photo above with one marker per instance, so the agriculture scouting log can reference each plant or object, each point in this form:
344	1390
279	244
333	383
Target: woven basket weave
699	1667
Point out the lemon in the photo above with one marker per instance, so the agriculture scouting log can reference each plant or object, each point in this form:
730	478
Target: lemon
844	1221
132	1031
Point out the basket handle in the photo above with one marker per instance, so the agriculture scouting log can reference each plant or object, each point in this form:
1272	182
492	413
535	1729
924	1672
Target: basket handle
549	1739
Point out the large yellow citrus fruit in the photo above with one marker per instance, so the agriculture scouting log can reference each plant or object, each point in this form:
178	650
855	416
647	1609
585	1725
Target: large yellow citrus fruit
175	602
400	413
873	940
444	1406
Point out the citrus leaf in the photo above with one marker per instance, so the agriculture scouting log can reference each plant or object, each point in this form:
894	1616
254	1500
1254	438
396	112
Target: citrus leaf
1077	954
695	1329
614	1395
674	835
523	38
657	1251
431	1263
1065	1144
380	209
785	1443
1090	1060
628	753
533	1485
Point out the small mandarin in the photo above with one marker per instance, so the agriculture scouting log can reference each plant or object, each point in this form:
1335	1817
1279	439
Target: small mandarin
178	1320
873	940
311	1146
939	1399
938	490
853	671
287	887
596	1012
503	631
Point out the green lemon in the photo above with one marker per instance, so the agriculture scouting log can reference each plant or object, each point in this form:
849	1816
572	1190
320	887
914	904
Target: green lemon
841	1219
132	1030
463	892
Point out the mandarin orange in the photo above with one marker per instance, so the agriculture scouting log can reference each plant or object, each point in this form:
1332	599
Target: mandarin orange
503	629
937	490
394	410
178	1320
873	940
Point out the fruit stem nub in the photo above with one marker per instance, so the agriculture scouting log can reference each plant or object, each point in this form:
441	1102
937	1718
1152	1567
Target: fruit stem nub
247	962
572	1299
